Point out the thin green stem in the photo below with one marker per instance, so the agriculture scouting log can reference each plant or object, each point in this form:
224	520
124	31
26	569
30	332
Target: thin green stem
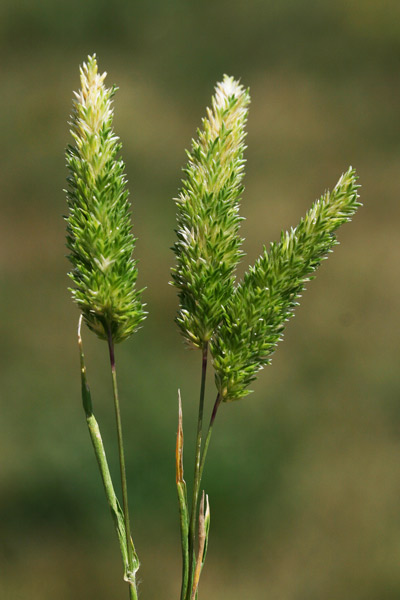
129	545
193	584
196	480
208	437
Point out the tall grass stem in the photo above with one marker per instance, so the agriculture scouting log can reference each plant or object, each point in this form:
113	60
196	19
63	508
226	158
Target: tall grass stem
130	550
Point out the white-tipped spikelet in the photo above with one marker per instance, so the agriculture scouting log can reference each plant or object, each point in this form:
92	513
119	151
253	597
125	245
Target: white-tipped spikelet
208	245
99	222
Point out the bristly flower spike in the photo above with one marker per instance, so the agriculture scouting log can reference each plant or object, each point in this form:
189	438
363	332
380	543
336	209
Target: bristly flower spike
208	246
99	222
256	313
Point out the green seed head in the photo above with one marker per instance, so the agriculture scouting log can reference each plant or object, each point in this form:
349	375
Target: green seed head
99	234
208	246
256	313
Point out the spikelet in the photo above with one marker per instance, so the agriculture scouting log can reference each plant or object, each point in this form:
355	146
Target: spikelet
208	246
256	313
99	234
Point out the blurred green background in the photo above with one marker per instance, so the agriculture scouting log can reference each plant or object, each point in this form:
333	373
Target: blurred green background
304	474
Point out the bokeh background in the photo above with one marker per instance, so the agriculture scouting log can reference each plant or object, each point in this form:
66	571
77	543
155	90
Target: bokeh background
304	474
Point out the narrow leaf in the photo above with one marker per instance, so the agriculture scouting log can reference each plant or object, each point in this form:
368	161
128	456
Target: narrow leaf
182	499
207	519
202	534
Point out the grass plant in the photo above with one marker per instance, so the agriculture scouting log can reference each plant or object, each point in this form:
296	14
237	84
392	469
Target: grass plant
236	324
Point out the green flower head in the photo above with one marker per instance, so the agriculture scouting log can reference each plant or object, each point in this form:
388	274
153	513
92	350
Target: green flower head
208	246
256	314
99	234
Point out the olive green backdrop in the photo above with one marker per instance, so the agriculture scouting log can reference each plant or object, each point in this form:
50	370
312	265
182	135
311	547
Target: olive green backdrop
304	474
